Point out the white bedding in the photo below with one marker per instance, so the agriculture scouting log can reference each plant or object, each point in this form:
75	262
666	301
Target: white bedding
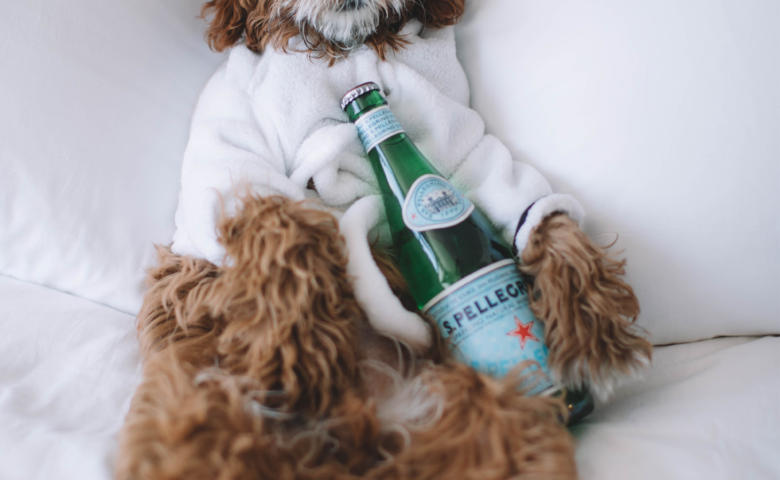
69	368
705	410
661	117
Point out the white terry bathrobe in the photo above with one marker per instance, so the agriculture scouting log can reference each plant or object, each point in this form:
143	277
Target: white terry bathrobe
273	121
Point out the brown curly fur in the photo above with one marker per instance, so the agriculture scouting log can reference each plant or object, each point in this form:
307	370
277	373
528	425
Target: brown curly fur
260	23
488	430
293	310
266	368
587	308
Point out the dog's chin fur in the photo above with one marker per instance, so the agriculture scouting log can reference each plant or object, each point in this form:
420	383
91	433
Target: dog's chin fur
341	23
326	28
266	368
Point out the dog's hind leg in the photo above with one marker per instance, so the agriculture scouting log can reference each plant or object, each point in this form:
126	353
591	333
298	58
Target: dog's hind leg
473	427
178	338
291	318
194	424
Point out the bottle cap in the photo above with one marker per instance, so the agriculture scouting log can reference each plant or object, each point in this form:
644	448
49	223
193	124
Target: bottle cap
351	95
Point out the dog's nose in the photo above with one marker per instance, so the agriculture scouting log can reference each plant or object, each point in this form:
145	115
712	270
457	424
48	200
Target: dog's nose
349	5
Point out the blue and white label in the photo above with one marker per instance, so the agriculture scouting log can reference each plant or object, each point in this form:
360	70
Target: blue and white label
377	126
432	202
490	326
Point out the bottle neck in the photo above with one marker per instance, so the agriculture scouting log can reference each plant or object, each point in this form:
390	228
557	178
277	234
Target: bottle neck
364	104
374	121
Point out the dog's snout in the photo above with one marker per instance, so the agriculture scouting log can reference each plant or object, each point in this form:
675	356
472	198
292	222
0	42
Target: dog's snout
348	5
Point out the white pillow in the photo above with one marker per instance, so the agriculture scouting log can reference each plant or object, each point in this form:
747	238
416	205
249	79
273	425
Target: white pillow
96	100
662	119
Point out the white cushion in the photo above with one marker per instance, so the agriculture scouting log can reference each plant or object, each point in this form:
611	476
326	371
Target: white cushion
662	119
705	410
96	101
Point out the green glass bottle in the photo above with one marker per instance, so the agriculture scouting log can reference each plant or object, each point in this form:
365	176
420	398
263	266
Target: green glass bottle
458	270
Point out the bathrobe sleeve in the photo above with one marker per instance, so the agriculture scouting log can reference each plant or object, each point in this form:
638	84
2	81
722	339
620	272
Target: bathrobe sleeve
228	150
513	194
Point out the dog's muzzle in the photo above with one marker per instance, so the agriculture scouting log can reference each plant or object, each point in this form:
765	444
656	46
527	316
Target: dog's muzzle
350	5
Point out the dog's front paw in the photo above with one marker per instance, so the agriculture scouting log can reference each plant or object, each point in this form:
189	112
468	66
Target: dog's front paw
291	318
587	308
602	375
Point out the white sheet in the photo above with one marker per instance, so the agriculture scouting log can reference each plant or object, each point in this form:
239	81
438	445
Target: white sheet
68	368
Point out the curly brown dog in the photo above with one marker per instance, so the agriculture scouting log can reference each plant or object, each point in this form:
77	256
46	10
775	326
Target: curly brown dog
269	370
267	367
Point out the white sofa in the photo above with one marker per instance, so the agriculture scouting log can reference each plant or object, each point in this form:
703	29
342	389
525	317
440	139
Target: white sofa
662	118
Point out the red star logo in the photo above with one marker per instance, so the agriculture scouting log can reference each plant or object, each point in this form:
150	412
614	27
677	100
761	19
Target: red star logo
523	331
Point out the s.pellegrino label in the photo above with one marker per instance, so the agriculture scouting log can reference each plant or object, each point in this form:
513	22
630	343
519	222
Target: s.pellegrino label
490	326
457	267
